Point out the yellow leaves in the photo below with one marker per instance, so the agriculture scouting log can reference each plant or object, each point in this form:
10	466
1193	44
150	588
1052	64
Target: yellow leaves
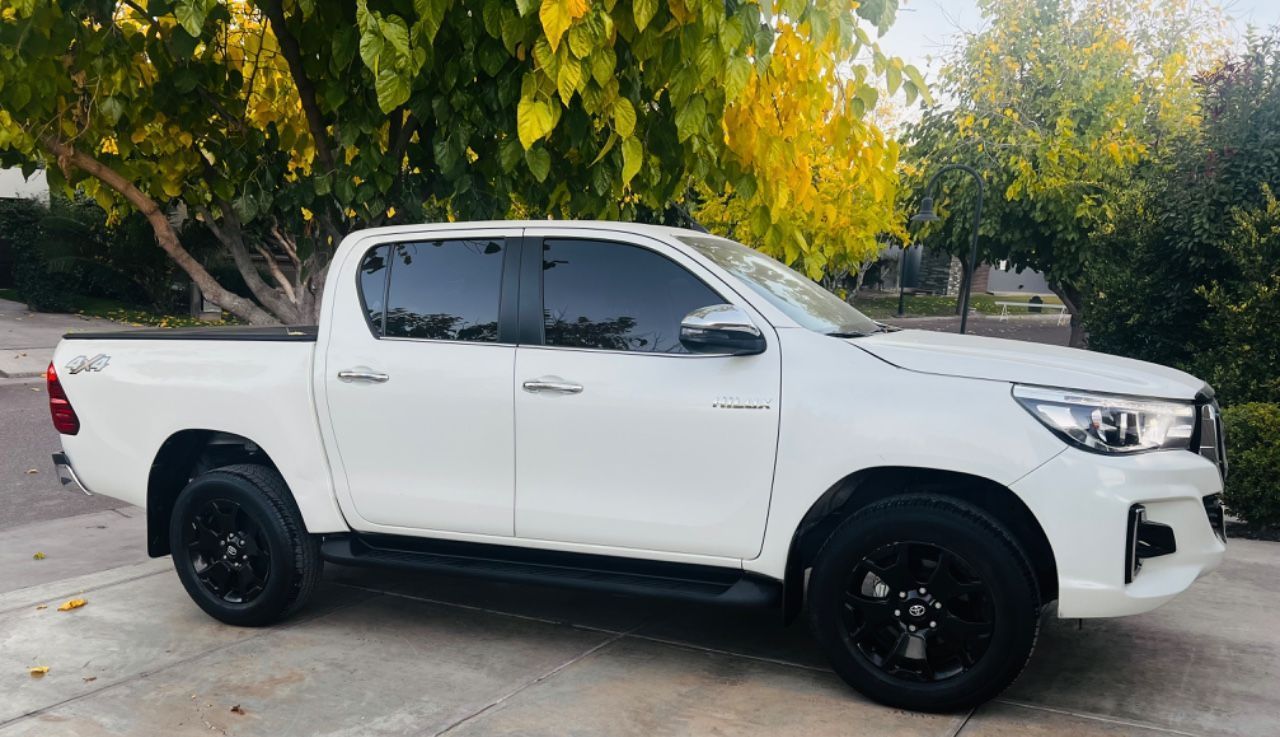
108	146
71	604
557	16
37	671
38	556
391	212
632	157
534	120
624	118
1113	149
307	214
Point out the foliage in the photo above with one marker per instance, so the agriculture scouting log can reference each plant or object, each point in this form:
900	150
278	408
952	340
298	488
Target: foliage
1253	436
43	289
1192	277
67	250
1060	103
285	124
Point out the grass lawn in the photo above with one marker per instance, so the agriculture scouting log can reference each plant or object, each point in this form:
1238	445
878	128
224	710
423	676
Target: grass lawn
123	312
931	305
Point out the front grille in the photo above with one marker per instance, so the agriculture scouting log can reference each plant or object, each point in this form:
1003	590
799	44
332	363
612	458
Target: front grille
1210	440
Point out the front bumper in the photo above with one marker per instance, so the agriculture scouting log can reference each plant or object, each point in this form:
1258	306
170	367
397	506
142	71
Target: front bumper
67	474
1084	501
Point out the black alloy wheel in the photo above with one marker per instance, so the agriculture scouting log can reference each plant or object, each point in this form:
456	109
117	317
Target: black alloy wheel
918	611
240	547
924	602
228	550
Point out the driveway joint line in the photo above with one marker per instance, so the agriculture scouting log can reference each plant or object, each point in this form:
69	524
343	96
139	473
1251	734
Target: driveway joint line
1098	717
964	722
535	681
33	602
142	675
731	653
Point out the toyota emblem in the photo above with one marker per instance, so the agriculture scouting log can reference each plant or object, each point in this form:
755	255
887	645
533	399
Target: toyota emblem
916	610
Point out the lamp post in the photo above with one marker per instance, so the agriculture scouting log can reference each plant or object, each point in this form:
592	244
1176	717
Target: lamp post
927	215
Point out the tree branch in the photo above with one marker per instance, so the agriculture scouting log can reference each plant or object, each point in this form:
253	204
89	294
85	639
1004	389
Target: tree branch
68	156
306	90
230	234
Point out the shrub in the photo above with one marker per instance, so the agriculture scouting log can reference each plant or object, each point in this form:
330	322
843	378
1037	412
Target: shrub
1253	448
43	289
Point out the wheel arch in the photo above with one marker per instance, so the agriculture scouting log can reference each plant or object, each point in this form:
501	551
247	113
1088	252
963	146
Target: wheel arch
869	485
183	456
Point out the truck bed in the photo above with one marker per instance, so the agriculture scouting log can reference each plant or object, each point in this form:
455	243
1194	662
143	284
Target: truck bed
274	333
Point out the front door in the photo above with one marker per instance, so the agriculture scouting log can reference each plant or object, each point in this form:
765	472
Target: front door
418	384
624	439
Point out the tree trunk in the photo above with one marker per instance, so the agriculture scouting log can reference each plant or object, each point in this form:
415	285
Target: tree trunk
1071	298
166	236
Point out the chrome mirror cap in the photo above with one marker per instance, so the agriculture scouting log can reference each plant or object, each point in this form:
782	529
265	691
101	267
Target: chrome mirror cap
721	329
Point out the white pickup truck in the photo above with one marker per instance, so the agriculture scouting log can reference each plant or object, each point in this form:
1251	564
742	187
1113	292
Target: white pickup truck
655	412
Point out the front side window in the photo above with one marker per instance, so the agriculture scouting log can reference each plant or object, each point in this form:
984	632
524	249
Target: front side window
438	290
614	296
797	297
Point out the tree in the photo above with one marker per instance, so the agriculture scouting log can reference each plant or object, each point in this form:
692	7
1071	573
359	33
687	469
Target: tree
285	124
1060	103
1190	276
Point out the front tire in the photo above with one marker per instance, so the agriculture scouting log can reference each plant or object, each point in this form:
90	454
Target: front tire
924	602
240	547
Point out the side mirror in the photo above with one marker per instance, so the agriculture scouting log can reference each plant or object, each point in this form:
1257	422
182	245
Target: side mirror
721	329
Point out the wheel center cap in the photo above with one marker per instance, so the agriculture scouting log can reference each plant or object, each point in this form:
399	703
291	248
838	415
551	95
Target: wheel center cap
917	610
231	550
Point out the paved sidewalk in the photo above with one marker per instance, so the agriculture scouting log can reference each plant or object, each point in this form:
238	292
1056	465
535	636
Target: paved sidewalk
27	339
383	653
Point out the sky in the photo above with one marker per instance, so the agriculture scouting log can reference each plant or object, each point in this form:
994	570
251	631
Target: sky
928	28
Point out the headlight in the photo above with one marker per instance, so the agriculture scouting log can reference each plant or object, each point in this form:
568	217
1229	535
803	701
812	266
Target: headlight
1110	424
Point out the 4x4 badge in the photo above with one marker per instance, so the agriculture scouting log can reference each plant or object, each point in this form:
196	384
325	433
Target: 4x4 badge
80	363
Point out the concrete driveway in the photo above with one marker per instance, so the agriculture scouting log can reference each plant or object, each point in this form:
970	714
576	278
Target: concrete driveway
397	654
27	339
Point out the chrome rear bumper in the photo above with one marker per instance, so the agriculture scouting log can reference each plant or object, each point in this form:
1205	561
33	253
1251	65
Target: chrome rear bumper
67	474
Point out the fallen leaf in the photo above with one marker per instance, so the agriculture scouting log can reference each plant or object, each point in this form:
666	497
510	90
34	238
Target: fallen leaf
38	555
32	471
38	671
71	604
237	710
35	388
89	679
41	606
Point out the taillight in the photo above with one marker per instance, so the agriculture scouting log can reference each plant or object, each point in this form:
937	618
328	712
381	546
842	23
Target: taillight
64	417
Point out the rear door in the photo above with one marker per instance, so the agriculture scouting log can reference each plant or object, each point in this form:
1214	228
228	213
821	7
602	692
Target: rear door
418	380
623	438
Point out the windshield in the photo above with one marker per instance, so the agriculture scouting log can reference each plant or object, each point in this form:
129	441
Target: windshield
799	298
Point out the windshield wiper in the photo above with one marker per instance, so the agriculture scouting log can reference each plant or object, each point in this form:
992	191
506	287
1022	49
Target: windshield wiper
847	334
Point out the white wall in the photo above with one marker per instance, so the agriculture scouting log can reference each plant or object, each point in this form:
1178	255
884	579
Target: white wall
13	185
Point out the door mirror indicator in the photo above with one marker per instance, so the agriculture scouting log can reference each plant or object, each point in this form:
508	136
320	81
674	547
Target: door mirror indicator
721	329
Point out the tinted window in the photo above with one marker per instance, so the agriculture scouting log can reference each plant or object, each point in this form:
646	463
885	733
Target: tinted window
373	284
444	290
616	297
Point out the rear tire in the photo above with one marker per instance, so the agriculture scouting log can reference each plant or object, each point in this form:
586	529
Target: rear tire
240	547
924	602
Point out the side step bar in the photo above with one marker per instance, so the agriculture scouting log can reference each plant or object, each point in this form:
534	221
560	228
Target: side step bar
607	574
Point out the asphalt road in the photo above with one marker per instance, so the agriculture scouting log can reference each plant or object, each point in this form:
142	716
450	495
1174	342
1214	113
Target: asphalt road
27	439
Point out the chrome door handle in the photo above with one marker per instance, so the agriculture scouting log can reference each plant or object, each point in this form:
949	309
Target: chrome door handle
557	387
358	375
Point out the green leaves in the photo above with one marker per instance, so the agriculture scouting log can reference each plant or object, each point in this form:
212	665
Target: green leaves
539	161
643	11
191	14
690	118
386	51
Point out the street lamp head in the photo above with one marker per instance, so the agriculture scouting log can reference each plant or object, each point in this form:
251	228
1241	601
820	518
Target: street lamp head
926	214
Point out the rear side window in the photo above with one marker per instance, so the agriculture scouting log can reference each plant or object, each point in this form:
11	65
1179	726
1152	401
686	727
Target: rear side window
613	296
373	286
437	290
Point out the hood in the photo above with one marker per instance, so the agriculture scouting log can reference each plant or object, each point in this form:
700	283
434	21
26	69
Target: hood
975	357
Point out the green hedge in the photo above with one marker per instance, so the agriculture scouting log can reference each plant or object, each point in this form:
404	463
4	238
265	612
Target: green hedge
1253	449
